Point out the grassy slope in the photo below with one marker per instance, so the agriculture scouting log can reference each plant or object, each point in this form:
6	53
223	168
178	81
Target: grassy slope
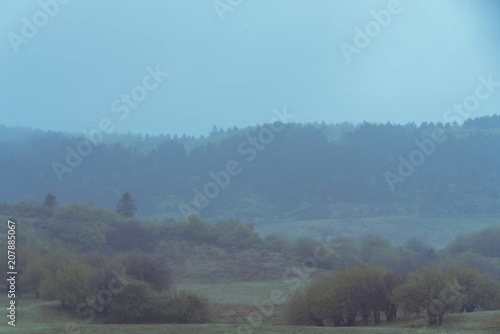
437	231
192	262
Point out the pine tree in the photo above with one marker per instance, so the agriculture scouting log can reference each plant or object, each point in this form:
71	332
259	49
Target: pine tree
50	201
126	206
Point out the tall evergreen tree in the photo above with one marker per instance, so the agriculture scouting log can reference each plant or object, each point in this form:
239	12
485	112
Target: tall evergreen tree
126	206
50	200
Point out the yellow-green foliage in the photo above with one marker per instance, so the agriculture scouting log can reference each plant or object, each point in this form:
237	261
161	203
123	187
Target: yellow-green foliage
132	304
149	268
298	309
307	247
194	228
138	303
378	251
82	224
33	276
234	234
42	268
340	299
484	242
188	307
478	291
179	307
428	293
276	243
348	252
73	283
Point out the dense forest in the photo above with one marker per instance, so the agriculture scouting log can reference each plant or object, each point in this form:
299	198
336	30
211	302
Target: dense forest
273	171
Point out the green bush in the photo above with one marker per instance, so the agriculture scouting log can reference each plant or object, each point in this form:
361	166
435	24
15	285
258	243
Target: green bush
138	303
307	247
163	308
234	234
82	225
64	255
26	208
189	307
148	268
276	243
479	262
428	293
72	283
130	234
377	251
194	228
179	307
344	296
33	276
298	309
415	254
478	291
484	242
132	305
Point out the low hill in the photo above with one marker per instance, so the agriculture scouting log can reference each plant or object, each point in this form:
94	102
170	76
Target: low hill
274	171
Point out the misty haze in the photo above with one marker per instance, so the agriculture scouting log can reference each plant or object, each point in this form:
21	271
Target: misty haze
233	166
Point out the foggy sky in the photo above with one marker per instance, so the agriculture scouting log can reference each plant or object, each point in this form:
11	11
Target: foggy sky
234	67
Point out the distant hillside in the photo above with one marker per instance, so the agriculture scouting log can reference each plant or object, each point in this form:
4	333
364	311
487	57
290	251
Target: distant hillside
273	171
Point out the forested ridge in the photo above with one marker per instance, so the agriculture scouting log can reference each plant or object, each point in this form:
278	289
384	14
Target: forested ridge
275	170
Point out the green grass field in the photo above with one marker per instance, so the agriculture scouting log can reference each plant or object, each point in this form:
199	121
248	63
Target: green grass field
39	316
438	232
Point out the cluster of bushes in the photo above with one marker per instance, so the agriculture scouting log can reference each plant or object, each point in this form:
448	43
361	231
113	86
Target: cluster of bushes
479	250
338	300
140	295
27	208
92	228
431	292
229	234
138	303
74	276
361	293
370	250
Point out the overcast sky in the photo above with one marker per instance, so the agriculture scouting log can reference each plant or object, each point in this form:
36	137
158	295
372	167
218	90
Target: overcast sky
92	60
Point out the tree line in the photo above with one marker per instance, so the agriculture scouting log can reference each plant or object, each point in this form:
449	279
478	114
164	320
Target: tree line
301	174
361	294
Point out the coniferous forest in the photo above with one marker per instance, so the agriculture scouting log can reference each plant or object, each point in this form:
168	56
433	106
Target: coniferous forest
258	173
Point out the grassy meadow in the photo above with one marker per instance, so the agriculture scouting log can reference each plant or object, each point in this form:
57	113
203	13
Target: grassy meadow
47	317
438	232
